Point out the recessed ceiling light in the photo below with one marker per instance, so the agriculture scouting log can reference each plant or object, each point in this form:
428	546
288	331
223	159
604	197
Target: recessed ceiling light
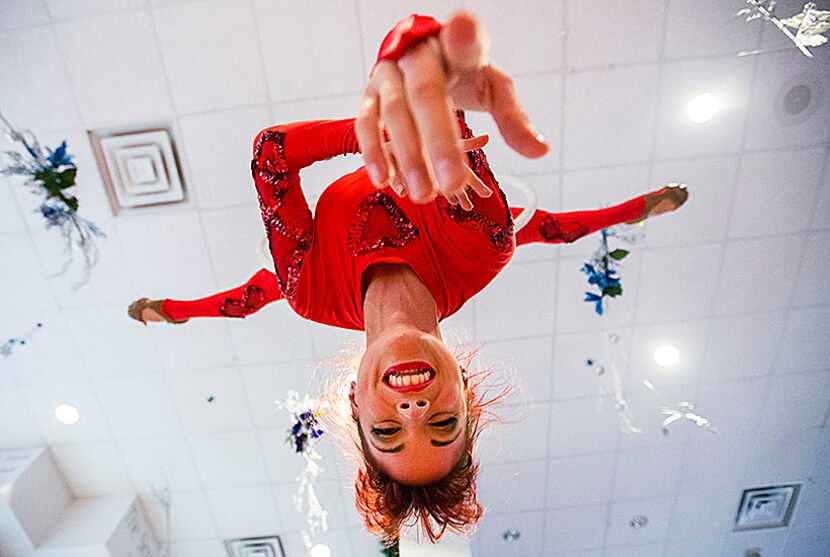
703	108
320	550
666	355
67	414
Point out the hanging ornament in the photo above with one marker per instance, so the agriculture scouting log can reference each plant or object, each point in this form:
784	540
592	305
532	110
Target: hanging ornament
683	411
303	434
808	25
603	267
51	175
7	347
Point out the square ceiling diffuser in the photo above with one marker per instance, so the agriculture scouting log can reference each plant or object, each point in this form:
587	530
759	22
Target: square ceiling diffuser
266	546
139	168
766	507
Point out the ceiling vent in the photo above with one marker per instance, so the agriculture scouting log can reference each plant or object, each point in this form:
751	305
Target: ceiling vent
798	99
767	507
268	546
139	168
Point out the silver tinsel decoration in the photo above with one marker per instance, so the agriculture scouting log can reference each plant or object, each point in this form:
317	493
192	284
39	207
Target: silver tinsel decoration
807	26
50	175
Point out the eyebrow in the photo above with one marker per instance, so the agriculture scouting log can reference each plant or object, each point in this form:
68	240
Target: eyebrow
433	442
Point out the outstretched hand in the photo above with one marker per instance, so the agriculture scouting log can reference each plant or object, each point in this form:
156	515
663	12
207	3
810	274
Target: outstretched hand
415	98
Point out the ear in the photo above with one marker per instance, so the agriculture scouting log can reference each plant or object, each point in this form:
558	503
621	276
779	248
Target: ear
352	399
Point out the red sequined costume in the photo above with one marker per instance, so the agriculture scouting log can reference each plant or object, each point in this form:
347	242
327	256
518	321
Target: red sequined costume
320	259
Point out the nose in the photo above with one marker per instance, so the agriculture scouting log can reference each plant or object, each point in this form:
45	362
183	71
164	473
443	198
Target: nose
413	409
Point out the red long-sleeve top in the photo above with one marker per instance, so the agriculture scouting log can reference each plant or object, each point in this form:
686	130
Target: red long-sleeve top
320	260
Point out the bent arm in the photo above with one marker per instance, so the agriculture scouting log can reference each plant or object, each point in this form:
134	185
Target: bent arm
557	228
260	290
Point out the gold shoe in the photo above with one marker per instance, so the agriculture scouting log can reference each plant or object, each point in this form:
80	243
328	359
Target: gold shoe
136	310
674	194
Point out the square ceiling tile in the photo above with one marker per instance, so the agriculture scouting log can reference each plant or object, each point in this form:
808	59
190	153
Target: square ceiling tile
678	283
490	542
609	116
797	401
244	512
267	384
139	408
92	425
211	400
574	528
805	345
580	480
811	509
35	366
758	275
770	542
813	540
657	511
627	32
648	472
228	459
159	462
521	434
724	33
207	67
814	273
234	241
704	217
331	499
776	192
790	99
518	303
644	410
734	408
572	376
321	70
36	91
742	346
716	464
539	22
22	13
513	487
200	343
190	516
541	97
703	515
528	360
579	427
219	148
255	342
647	550
18	428
729	80
93	469
132	89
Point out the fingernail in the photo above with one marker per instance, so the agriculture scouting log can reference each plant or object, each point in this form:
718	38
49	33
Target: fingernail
419	182
374	172
449	173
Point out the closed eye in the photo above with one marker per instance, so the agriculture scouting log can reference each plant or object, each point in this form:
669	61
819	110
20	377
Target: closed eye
385	431
445	423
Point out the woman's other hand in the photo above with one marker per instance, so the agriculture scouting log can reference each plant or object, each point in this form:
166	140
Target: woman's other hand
414	98
397	180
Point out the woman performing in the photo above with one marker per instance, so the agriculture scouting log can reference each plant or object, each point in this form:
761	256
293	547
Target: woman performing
392	258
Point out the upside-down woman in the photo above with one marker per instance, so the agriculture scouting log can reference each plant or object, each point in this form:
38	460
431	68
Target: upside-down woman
392	257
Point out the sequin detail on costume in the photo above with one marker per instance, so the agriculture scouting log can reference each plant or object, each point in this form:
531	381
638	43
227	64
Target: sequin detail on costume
500	235
252	299
554	229
359	245
275	173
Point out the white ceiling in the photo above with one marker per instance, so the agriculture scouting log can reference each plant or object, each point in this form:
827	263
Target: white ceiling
736	279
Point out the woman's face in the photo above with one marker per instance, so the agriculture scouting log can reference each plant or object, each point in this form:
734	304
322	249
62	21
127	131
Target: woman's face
411	406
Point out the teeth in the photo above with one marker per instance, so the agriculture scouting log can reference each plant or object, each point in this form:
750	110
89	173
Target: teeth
408	379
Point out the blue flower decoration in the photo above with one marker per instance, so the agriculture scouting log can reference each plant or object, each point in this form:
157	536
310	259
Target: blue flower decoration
59	157
304	430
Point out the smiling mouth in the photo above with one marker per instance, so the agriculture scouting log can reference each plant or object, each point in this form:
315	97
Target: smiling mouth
409	376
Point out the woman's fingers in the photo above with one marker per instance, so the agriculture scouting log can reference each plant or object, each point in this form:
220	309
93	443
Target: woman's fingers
426	91
481	189
369	136
511	117
474	143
